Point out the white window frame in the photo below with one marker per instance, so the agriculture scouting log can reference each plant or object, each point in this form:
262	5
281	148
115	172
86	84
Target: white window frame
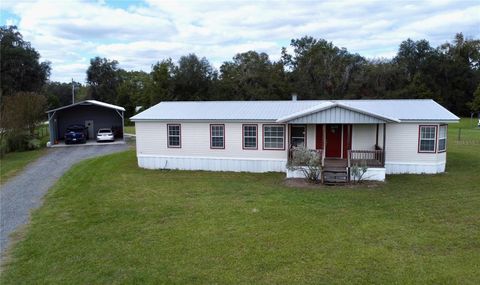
244	136
217	136
179	136
444	137
434	139
265	137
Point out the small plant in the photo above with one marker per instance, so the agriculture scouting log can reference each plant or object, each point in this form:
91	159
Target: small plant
358	171
307	161
33	144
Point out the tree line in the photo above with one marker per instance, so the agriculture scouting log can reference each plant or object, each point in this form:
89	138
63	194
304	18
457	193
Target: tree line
315	69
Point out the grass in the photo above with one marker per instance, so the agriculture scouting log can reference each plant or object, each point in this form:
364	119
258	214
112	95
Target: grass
129	129
14	162
108	221
469	132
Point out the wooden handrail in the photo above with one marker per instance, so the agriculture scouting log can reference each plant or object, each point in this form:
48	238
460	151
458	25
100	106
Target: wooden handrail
372	158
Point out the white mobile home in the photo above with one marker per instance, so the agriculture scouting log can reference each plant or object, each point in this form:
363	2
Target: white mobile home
390	136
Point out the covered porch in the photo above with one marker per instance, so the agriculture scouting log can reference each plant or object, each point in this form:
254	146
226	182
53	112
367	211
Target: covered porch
339	144
342	138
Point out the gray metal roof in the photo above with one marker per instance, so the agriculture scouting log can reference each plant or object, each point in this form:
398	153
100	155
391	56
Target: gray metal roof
89	102
394	110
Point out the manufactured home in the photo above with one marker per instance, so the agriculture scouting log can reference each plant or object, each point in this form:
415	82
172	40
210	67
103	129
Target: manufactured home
389	136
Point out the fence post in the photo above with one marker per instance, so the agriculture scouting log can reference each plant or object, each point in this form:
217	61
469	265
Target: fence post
459	133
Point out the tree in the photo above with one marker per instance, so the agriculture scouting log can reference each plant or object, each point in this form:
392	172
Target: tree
412	56
193	78
320	70
465	50
20	115
60	94
459	73
133	91
252	76
475	104
20	67
103	78
161	88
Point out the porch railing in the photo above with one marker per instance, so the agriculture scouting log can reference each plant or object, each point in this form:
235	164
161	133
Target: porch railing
370	158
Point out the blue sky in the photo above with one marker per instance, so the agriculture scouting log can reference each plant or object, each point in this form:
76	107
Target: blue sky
139	33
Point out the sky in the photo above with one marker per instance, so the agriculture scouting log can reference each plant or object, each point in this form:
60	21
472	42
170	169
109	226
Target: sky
68	33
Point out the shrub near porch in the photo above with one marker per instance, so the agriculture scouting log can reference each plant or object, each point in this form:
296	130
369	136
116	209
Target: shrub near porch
107	221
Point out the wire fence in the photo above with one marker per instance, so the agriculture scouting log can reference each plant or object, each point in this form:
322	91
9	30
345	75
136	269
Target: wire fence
468	136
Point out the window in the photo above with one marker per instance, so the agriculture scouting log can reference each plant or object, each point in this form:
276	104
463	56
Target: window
174	136
250	136
428	138
298	136
217	136
274	137
442	138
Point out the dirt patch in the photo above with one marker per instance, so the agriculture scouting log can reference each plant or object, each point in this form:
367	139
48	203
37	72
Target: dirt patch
7	255
302	183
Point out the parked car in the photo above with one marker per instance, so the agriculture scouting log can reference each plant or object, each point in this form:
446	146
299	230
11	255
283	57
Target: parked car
105	135
75	134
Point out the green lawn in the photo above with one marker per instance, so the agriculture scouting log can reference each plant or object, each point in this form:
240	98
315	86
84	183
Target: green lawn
129	129
468	131
107	221
14	162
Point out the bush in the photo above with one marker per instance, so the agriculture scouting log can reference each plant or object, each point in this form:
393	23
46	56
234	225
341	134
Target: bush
17	142
21	142
34	144
307	161
358	171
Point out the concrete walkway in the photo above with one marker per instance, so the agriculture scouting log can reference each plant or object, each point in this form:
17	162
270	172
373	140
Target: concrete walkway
24	192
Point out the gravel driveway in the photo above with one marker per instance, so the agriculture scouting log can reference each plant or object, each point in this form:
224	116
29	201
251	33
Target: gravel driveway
25	191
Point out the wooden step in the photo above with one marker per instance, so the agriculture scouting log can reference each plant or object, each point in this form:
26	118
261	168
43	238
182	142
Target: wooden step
335	176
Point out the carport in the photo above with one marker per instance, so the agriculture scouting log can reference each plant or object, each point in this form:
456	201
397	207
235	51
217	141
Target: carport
92	114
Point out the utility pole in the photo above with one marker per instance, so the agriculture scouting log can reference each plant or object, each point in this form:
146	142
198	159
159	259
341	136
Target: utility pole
73	92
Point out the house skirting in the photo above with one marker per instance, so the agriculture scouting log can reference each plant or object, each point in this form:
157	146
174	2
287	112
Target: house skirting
372	174
212	163
414	168
260	165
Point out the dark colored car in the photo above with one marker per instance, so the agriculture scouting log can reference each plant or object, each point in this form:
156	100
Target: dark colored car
75	134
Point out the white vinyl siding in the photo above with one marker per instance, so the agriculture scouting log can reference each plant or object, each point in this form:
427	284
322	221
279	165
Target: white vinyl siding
150	139
364	137
402	146
311	136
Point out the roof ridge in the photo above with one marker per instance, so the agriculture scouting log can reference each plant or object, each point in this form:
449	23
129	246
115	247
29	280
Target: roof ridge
310	100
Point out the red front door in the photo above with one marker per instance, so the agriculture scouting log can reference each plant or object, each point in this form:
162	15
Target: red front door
334	141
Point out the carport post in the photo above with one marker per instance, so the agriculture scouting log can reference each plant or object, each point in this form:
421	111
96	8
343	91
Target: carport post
50	127
123	127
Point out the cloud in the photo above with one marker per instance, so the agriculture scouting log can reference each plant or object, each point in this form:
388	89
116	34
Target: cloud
137	34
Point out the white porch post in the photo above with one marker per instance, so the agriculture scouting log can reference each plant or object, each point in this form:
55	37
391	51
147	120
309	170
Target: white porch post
384	142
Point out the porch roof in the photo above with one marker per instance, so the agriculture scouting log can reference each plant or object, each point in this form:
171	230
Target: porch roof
335	113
